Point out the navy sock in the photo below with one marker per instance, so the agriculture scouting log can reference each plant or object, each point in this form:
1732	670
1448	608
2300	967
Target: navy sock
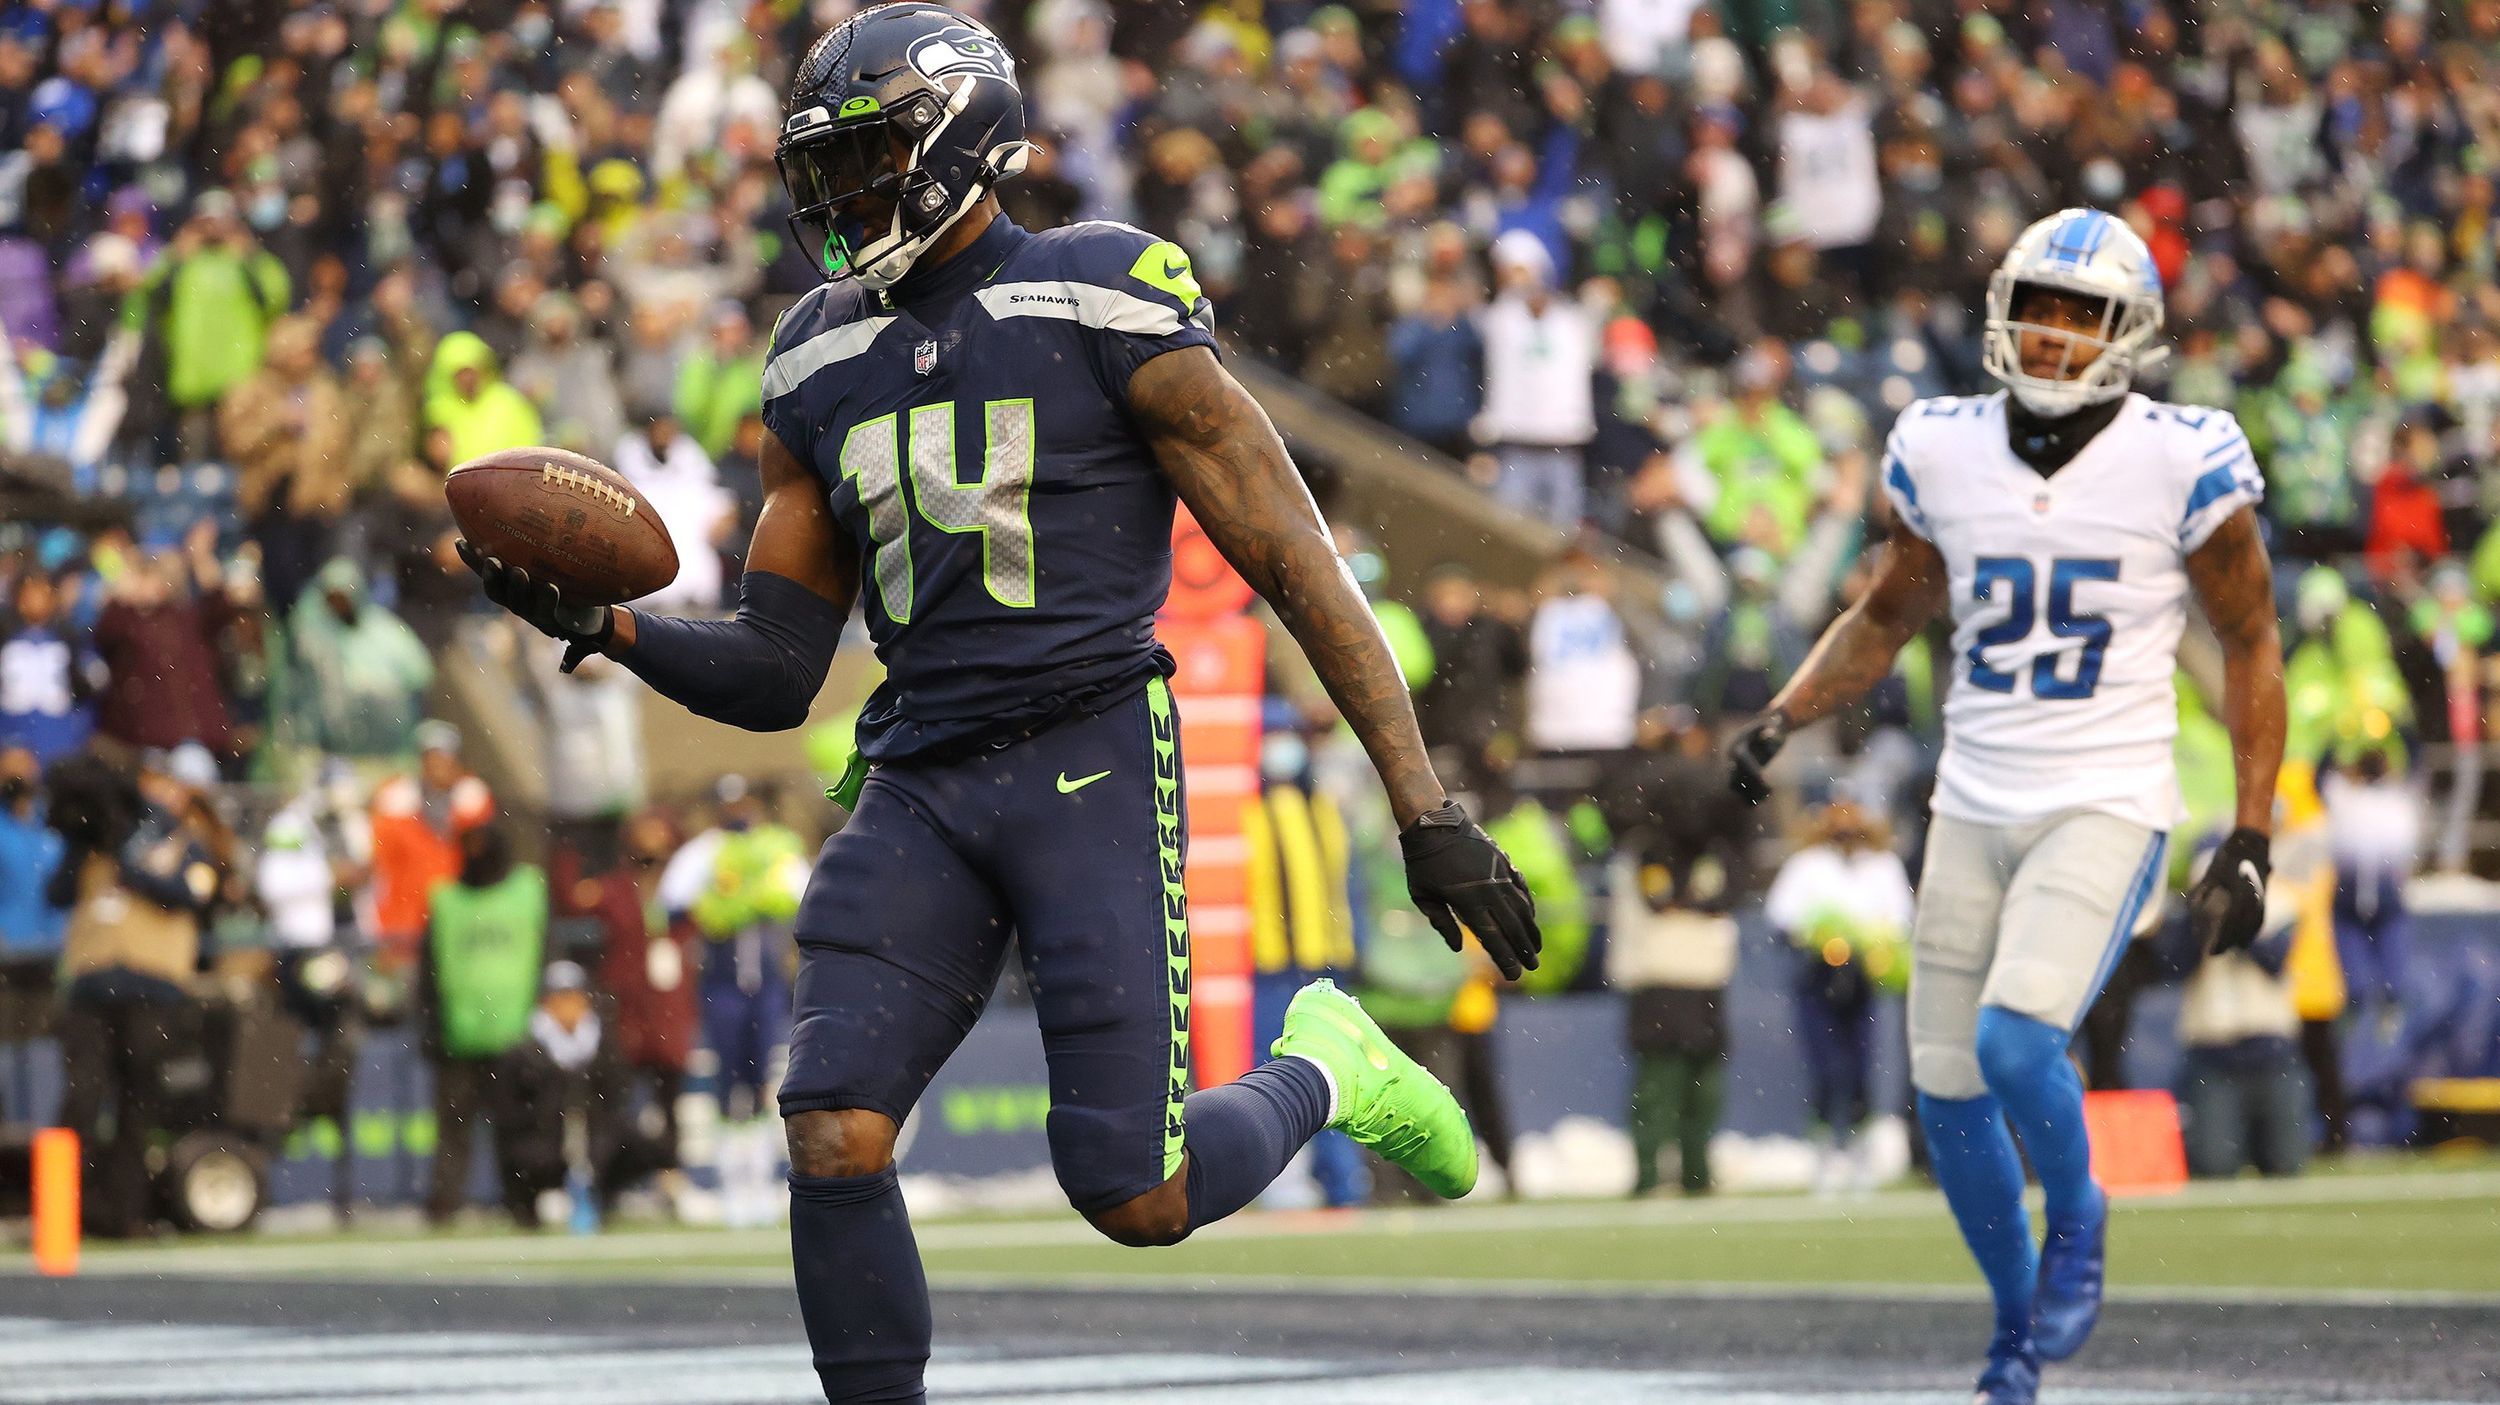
1242	1134
1973	1158
861	1290
2025	1063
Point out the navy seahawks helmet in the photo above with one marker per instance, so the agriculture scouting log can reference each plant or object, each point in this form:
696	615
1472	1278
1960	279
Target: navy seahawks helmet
901	118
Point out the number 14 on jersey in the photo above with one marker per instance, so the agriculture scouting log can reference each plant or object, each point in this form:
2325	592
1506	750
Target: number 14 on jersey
996	505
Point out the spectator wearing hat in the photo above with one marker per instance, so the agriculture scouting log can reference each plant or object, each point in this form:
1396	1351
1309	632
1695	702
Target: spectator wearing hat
477	987
565	1106
361	671
137	892
468	399
182	789
418	823
1540	366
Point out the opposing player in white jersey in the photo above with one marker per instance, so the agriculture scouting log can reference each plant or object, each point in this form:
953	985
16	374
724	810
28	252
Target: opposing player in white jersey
2066	522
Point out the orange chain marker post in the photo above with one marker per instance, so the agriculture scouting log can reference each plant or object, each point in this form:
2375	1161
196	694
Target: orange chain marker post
55	1182
1221	655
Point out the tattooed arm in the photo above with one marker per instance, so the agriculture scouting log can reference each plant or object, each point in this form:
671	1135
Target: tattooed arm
1224	458
1226	461
1857	651
2235	583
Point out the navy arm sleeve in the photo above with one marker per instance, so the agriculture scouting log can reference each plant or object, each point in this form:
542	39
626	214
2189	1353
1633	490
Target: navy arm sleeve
759	670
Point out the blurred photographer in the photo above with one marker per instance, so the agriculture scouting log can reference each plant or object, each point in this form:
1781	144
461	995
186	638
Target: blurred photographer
566	1120
137	888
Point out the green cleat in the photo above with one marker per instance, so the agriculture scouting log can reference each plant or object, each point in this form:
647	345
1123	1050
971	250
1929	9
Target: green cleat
1385	1100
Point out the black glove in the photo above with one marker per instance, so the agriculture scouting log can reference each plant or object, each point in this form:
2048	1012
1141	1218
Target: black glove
2227	907
1750	754
583	628
1459	877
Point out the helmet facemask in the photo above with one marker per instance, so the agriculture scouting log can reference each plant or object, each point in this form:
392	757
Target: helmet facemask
867	204
2092	367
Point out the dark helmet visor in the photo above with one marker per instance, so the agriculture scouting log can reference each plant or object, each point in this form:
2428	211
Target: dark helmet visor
842	183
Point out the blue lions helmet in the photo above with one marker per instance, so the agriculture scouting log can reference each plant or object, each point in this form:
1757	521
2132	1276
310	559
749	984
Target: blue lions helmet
2087	254
900	119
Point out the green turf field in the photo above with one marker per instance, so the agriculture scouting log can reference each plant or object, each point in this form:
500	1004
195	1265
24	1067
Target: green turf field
2369	1242
2380	1231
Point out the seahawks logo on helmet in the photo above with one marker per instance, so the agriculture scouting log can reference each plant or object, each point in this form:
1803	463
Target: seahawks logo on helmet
959	49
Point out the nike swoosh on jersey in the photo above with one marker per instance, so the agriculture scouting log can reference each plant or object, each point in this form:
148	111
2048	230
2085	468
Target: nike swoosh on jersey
1067	787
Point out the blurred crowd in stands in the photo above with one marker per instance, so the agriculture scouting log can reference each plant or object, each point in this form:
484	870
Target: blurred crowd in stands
1654	272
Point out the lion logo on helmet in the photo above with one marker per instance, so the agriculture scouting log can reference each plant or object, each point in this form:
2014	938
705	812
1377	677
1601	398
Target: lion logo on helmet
961	49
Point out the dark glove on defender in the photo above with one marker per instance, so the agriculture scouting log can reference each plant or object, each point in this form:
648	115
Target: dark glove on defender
583	628
1749	756
1459	877
2228	905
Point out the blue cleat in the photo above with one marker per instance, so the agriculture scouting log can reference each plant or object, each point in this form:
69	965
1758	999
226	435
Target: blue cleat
2013	1374
2067	1303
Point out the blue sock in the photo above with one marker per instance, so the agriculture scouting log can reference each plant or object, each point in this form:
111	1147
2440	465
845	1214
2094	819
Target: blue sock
1242	1134
2025	1063
861	1291
1973	1158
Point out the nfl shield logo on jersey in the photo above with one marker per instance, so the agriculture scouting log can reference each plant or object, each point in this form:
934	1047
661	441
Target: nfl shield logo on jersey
924	358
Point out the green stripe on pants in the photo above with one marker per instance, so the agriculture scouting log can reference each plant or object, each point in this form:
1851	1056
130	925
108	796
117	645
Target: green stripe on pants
1175	911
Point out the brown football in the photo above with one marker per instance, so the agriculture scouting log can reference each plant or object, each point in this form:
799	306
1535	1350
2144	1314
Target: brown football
563	518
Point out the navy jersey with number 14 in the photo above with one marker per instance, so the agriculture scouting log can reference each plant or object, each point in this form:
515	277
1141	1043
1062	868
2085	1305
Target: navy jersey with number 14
973	433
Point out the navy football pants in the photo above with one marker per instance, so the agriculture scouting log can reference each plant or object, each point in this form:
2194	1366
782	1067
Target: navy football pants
1071	840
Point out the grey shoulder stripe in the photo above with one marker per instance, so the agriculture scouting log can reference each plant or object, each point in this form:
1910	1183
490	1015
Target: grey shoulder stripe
1086	304
786	372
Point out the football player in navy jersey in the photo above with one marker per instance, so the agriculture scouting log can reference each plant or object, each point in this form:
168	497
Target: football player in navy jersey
978	436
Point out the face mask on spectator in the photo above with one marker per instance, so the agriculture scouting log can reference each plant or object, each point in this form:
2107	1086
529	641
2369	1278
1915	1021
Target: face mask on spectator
266	210
532	31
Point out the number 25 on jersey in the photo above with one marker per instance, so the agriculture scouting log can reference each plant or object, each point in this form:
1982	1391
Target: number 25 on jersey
2014	582
996	505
